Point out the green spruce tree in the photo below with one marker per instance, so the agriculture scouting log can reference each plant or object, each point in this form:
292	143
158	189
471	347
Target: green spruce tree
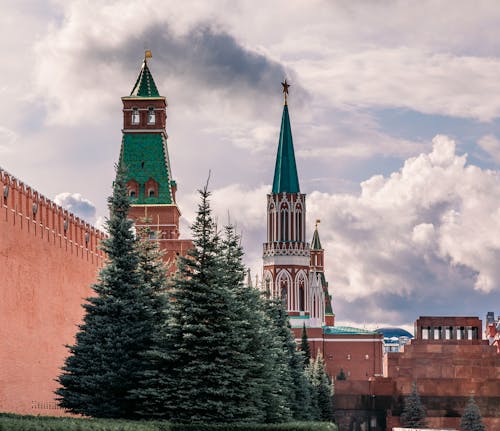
294	384
471	419
106	360
322	389
148	396
413	415
304	346
208	369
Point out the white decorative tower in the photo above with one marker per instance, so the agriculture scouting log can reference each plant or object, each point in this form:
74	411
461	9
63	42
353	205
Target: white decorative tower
287	255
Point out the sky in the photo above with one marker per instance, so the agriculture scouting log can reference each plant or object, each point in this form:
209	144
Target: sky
394	109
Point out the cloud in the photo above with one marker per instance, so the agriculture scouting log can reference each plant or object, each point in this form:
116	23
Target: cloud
422	238
491	145
77	204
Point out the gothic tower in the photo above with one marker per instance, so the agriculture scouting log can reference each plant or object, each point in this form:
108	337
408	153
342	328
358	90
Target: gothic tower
287	255
144	153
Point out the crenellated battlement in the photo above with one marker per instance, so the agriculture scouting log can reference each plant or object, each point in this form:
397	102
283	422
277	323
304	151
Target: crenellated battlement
27	209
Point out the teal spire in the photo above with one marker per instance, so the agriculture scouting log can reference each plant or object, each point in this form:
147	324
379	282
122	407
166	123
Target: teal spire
316	243
285	173
145	85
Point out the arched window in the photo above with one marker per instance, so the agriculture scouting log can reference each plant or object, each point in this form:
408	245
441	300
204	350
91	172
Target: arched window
284	222
298	223
301	296
271	223
151	193
151	116
132	193
135	116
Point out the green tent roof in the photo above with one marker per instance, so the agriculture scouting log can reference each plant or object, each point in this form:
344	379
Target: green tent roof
144	156
285	172
145	85
316	243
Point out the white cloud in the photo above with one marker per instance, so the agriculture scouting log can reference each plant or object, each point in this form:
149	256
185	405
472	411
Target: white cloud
78	205
491	145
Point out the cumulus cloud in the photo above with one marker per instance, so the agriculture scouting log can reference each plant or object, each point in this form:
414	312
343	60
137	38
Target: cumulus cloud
422	238
77	204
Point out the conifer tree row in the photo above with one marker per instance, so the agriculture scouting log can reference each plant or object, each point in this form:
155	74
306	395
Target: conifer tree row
200	347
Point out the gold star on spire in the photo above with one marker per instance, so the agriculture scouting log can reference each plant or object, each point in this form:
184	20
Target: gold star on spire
318	221
285	89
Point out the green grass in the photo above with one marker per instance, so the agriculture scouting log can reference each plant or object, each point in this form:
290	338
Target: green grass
12	422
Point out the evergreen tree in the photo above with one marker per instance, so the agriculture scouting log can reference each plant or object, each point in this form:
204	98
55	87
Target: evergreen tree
413	415
471	419
206	361
153	274
341	375
105	363
322	389
304	346
294	383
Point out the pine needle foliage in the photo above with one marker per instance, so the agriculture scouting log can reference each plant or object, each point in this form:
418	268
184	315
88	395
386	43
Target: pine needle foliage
322	389
154	277
413	415
471	419
106	360
305	347
213	361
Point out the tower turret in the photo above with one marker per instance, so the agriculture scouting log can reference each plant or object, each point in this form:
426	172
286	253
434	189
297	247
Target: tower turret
144	153
289	272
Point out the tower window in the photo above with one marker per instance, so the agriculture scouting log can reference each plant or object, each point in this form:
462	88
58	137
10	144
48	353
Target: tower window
151	193
132	193
151	116
135	116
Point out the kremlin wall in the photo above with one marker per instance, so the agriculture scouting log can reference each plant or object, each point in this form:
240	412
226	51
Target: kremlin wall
49	258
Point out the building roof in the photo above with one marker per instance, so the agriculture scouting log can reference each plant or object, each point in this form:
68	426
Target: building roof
145	156
390	332
286	179
316	243
346	330
145	85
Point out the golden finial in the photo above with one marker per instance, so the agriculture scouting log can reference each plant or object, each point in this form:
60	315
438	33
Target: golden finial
285	89
318	221
147	54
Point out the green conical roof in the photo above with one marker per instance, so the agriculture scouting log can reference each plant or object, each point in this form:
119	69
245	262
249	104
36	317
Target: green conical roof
316	243
145	85
285	172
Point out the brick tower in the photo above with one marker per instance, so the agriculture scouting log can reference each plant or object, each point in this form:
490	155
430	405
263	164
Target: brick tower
287	256
144	153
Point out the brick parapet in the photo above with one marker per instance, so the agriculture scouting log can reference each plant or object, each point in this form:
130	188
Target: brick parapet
27	209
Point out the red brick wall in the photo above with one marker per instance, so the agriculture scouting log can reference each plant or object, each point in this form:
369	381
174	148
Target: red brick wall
45	273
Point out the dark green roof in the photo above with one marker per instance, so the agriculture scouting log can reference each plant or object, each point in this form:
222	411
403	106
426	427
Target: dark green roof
145	85
316	243
144	156
285	172
346	330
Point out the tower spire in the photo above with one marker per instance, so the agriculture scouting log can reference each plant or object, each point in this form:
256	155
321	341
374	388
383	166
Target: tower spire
285	172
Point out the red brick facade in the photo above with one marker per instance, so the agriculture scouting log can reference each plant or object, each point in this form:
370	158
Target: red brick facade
48	260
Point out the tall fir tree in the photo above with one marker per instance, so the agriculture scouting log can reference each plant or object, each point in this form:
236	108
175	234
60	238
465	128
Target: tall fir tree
322	389
106	360
293	380
208	367
153	274
305	347
471	419
413	415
